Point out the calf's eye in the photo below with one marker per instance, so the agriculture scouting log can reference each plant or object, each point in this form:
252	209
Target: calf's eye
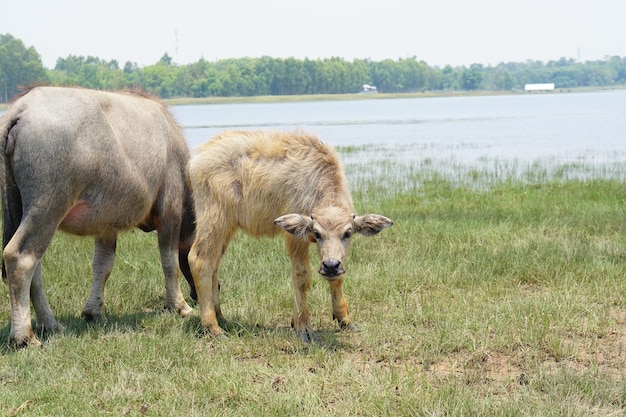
317	235
347	234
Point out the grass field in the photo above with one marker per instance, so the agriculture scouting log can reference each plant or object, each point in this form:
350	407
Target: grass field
504	300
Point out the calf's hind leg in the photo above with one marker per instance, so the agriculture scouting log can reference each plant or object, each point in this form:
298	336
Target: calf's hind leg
205	256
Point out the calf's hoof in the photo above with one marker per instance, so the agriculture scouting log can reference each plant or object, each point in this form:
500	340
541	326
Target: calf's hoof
349	327
308	335
220	337
214	331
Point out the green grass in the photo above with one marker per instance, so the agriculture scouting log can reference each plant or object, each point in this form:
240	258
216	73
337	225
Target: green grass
499	300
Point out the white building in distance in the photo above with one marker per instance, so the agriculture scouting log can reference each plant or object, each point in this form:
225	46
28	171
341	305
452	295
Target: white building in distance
539	87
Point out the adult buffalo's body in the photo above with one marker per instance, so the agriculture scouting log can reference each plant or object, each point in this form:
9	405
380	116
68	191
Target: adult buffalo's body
89	163
264	183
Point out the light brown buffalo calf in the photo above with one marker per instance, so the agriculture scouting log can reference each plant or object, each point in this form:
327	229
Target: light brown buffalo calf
265	183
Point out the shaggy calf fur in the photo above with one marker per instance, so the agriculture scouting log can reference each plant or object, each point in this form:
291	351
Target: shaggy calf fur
266	183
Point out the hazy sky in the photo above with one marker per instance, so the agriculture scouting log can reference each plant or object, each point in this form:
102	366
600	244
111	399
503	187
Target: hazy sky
440	32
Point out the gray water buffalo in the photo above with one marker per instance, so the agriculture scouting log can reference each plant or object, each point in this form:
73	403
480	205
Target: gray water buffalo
270	182
89	163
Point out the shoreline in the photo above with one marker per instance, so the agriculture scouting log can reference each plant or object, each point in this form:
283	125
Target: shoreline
186	101
182	101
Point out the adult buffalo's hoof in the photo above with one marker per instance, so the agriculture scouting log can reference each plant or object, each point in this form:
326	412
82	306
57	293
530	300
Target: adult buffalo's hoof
24	341
48	327
91	316
183	309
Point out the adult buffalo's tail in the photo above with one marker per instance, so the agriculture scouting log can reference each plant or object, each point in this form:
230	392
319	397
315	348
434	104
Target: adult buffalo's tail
187	234
10	194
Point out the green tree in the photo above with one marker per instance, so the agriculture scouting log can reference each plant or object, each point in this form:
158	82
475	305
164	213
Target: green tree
19	66
90	72
130	67
157	79
166	59
413	74
278	76
471	79
384	77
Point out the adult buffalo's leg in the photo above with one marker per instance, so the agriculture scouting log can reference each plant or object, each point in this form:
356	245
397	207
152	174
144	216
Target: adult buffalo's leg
340	306
20	270
103	260
22	255
168	248
46	322
301	280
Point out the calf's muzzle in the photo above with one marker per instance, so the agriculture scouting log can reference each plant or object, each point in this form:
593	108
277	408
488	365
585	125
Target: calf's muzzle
331	269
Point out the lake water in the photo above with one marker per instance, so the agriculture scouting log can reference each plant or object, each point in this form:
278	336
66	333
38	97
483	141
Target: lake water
519	132
507	135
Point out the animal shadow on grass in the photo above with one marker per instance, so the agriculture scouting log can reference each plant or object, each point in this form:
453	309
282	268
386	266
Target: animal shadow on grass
79	328
239	328
236	328
76	326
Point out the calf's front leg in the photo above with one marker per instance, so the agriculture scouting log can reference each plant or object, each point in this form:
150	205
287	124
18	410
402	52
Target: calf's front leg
301	280
340	306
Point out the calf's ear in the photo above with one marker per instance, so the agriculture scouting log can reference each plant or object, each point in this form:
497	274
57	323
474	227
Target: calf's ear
296	224
371	224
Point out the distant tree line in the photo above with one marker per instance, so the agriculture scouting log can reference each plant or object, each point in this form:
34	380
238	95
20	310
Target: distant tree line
289	76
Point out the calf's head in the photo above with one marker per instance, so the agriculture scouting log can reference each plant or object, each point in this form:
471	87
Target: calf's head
332	228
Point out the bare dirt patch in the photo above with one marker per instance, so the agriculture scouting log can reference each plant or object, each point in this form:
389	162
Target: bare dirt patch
602	353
